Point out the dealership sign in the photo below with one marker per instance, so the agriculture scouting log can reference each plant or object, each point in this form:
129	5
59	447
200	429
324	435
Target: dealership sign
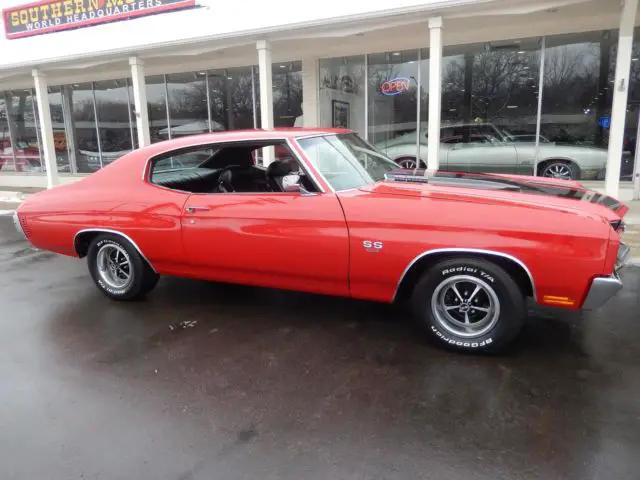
54	15
395	86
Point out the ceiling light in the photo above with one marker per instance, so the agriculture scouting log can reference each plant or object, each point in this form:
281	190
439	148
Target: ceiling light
396	53
521	52
512	106
634	59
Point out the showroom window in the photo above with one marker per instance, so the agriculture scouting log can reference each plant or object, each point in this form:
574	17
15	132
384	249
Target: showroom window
342	94
115	125
7	162
231	96
92	124
287	94
393	95
187	100
156	90
489	103
286	79
24	129
575	88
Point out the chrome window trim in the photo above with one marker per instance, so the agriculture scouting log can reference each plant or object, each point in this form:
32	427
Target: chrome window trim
114	232
467	250
146	170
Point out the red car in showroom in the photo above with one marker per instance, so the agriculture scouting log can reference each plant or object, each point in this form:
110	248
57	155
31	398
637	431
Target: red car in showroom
332	215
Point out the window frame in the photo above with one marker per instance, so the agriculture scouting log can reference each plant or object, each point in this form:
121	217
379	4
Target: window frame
267	142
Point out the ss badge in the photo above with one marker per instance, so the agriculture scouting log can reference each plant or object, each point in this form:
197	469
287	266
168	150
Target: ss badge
372	246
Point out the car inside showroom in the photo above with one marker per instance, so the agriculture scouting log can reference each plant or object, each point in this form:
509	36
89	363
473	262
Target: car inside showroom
520	86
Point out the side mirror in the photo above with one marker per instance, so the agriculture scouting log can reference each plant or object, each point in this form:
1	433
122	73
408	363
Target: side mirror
294	188
297	188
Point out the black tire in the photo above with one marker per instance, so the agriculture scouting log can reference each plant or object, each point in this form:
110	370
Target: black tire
142	277
496	332
549	165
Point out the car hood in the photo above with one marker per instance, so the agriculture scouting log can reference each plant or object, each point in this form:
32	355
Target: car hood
567	196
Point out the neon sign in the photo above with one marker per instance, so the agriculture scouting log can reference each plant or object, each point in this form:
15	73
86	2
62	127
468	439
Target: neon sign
395	86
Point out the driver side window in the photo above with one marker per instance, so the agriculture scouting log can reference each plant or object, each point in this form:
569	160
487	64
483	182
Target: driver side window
233	167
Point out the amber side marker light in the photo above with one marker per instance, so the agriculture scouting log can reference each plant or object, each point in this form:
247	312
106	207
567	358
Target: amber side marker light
554	300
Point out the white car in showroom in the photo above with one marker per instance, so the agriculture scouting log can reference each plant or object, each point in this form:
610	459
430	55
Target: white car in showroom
483	147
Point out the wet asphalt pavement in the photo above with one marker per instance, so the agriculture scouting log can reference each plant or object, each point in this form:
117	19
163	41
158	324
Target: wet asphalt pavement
259	384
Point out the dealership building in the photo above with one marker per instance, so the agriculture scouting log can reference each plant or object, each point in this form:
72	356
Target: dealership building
82	82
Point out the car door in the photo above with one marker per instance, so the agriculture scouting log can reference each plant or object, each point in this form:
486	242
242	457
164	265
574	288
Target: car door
288	240
470	151
526	154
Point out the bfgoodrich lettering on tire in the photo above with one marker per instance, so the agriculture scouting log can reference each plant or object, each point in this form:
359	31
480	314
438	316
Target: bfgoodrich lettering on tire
469	304
118	269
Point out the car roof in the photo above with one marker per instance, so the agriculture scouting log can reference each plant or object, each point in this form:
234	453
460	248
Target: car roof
129	168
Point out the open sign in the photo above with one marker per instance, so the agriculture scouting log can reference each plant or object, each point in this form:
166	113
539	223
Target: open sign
395	86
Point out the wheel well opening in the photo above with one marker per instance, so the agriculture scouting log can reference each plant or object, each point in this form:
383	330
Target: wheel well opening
82	242
513	269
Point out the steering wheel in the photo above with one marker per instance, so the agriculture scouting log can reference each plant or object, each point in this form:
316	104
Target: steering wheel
223	183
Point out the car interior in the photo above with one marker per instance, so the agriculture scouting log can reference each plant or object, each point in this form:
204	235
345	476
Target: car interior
228	169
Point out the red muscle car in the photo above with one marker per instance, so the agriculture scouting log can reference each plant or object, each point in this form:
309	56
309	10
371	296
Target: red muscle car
332	215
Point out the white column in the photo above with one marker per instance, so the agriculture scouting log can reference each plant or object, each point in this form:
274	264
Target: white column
46	128
140	101
310	92
620	93
266	94
435	92
69	126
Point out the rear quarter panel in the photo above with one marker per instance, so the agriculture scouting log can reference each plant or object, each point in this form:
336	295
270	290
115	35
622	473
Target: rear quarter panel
149	215
563	251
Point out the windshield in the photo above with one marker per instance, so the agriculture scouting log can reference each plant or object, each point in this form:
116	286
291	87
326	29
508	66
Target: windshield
346	161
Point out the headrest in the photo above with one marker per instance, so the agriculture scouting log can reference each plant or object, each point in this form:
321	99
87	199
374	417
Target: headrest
281	168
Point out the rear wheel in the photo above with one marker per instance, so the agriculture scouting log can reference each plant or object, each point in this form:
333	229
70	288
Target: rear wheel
561	169
469	304
118	269
410	163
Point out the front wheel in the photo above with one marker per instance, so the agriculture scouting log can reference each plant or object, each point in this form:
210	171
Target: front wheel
118	269
469	304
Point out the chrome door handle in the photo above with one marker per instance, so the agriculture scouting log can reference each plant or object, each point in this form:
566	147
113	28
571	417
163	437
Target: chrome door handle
194	208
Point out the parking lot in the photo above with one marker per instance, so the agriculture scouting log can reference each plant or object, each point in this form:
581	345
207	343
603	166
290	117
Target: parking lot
210	381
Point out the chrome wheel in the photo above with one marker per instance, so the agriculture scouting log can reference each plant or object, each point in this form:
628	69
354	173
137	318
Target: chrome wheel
558	170
408	163
114	266
465	306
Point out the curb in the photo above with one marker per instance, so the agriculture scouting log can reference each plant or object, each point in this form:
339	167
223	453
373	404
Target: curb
12	197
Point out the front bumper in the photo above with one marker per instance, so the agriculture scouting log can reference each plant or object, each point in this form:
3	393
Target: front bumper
604	288
601	291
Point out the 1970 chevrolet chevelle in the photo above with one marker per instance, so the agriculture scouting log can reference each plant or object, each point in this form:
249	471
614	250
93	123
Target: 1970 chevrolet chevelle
332	215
